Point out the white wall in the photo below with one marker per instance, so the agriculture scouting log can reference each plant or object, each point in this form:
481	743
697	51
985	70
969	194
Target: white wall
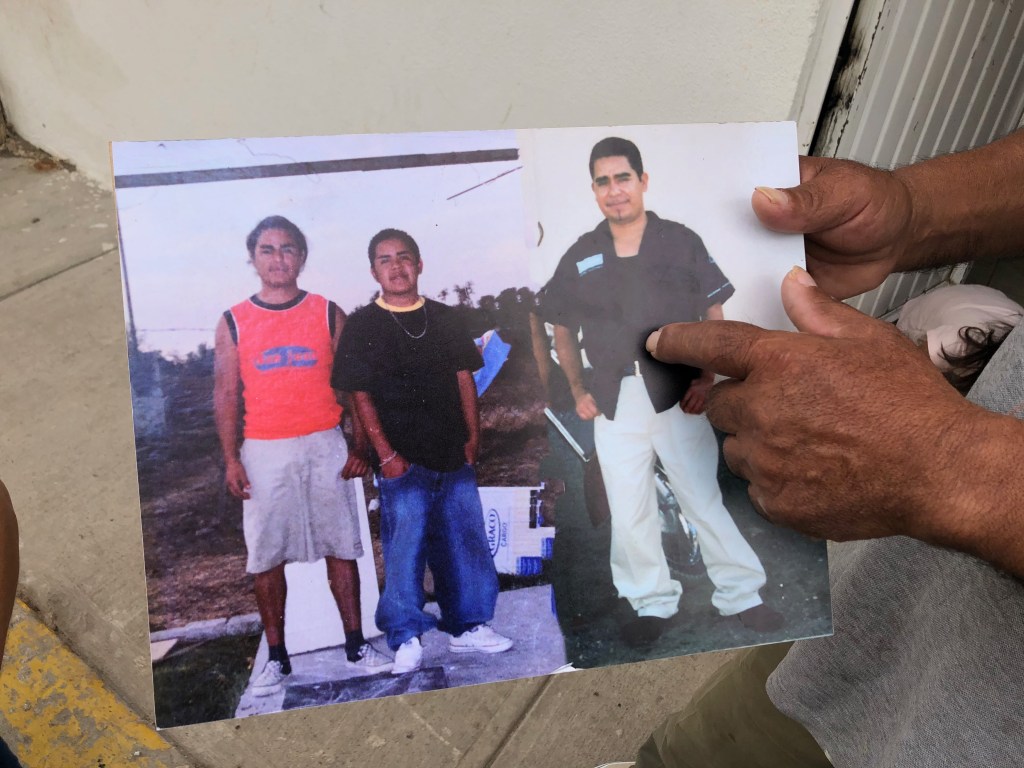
75	75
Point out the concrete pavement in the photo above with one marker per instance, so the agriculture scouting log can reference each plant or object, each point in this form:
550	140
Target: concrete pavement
321	677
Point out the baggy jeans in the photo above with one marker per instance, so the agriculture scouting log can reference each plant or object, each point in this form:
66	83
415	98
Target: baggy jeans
436	519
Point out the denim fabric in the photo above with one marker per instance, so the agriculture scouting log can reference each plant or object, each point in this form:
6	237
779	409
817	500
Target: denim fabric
436	519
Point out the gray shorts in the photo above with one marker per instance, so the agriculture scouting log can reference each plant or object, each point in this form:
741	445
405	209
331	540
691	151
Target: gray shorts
301	510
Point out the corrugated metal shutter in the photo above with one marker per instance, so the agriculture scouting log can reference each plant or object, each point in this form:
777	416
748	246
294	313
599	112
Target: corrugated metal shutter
924	77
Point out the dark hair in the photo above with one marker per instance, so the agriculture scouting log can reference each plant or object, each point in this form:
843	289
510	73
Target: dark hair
393	234
276	222
613	146
980	344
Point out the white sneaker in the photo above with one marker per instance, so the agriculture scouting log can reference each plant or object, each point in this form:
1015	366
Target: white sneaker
479	639
567	668
270	680
371	660
408	657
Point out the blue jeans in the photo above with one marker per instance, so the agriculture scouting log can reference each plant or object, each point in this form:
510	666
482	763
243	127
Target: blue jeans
434	518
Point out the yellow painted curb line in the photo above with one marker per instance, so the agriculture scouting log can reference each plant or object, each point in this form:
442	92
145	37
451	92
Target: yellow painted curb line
56	712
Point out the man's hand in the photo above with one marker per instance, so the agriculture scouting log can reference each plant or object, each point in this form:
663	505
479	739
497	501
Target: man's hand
586	406
472	449
695	399
356	465
857	221
396	467
236	479
844	431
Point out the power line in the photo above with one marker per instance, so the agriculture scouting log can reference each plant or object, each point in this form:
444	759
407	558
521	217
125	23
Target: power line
477	186
276	170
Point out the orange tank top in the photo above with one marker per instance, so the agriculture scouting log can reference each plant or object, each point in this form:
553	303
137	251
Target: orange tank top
285	357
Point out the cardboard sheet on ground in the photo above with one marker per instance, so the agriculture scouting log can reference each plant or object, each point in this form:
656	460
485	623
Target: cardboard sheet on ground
506	255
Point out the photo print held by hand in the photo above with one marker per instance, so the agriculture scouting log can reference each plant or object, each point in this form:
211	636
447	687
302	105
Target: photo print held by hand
386	402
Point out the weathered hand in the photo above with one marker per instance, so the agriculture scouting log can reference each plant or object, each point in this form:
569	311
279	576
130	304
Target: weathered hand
586	407
356	465
397	467
236	479
857	221
845	430
472	450
695	399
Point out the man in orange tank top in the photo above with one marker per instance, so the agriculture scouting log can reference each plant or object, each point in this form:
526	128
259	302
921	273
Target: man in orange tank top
274	356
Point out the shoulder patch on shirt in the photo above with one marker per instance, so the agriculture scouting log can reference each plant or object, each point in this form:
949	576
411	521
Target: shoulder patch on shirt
590	263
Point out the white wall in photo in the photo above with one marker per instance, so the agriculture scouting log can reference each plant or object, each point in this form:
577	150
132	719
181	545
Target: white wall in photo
701	175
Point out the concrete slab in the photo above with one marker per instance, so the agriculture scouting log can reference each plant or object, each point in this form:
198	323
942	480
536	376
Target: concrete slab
50	221
66	453
158	649
522	614
590	717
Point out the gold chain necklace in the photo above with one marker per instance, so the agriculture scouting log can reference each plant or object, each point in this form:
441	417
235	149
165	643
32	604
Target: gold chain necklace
405	330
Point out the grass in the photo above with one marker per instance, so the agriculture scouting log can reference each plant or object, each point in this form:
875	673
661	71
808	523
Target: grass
201	682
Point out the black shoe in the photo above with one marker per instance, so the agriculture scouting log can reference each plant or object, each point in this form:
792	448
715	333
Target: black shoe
643	631
761	618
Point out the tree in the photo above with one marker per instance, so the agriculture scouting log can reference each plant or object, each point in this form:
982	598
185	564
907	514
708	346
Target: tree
465	294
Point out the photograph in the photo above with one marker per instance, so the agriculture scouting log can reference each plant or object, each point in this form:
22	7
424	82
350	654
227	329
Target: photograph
659	551
396	426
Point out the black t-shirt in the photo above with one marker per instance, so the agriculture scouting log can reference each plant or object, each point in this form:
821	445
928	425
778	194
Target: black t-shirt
618	302
412	381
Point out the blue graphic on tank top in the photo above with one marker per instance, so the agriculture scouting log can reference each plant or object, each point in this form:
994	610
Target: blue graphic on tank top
286	357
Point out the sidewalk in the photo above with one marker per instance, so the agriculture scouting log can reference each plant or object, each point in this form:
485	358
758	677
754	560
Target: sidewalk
67	457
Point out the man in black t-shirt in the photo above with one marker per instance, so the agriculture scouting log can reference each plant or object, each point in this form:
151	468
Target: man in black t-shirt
632	274
408	362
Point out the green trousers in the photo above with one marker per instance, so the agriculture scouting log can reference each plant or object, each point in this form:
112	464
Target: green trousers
731	723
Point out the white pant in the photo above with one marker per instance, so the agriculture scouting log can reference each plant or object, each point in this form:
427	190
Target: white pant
686	445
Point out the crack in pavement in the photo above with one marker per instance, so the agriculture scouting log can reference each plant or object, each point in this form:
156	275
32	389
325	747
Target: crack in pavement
58	273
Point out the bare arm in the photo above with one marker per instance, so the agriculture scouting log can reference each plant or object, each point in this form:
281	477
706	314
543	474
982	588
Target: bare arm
539	345
227	383
908	456
356	465
471	414
8	563
845	431
392	464
572	366
862	224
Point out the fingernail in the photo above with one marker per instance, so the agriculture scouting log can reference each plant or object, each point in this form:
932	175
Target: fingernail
652	341
775	196
801	276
